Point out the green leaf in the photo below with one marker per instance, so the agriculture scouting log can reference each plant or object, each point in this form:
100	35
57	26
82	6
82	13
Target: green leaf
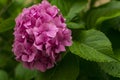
68	69
96	16
76	12
61	4
112	68
92	45
76	9
66	5
7	25
72	10
3	75
74	25
22	73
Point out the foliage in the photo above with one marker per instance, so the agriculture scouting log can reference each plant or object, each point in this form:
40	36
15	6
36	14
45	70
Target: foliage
94	55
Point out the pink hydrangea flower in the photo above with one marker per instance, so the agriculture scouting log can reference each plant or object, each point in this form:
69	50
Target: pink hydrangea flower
40	36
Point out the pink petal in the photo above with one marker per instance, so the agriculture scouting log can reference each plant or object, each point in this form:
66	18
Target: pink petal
31	57
53	11
24	58
52	30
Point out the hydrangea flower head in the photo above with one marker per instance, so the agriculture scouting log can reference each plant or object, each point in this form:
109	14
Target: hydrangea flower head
40	36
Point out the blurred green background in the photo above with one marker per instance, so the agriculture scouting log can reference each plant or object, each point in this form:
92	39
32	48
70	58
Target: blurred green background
83	17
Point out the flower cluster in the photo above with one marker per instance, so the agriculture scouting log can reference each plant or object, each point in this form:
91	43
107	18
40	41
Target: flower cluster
40	36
